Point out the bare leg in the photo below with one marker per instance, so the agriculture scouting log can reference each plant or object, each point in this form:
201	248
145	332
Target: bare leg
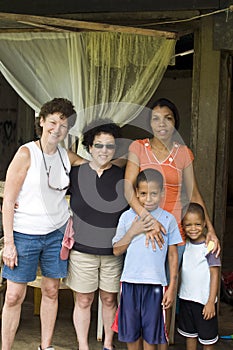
208	347
162	346
140	344
135	345
82	317
191	343
14	298
109	305
48	309
147	346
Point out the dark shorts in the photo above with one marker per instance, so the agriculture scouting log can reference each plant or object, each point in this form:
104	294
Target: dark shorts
192	325
141	314
34	249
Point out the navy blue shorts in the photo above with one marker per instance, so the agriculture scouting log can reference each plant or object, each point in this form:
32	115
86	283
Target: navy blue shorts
141	314
33	249
192	324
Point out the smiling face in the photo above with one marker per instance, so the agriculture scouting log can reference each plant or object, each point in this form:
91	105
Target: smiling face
102	150
149	194
162	123
55	128
193	225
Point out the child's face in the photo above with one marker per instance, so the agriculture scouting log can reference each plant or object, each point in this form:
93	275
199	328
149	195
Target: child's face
193	226
149	194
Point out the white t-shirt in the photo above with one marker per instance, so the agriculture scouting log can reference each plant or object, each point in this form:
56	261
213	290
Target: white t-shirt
195	272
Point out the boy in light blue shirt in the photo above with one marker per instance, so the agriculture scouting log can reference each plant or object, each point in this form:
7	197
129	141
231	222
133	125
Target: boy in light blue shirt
144	296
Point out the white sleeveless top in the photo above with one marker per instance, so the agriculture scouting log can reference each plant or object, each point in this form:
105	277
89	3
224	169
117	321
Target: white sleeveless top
41	209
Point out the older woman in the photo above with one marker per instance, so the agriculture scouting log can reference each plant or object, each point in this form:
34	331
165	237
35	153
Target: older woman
97	200
37	179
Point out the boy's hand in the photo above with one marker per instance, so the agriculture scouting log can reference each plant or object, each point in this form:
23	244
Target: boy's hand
168	298
208	311
137	226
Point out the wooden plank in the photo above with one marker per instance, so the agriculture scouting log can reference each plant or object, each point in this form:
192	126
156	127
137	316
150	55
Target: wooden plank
99	320
69	23
222	154
223	145
43	26
207	119
45	7
223	31
127	17
2	183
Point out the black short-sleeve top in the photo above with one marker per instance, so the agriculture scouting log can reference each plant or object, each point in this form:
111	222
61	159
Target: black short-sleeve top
96	203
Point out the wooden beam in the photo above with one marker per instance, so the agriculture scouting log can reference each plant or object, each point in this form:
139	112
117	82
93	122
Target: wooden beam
45	7
205	102
68	23
43	26
124	18
23	30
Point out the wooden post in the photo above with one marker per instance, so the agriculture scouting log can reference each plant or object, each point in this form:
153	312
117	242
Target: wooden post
205	100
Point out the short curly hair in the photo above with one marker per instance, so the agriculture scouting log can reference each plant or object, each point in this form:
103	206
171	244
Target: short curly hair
106	126
57	105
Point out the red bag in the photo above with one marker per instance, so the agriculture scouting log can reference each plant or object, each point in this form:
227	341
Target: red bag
115	322
227	287
68	240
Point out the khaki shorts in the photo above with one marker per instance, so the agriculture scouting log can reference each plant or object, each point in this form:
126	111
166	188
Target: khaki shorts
88	272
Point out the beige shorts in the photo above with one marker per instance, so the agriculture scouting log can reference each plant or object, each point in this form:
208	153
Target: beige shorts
88	272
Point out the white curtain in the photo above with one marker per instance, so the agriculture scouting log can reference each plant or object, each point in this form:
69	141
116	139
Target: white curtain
104	74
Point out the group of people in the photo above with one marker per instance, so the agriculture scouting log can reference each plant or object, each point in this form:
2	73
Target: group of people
128	223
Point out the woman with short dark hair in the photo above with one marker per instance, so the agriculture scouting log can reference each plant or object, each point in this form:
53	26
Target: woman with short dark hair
97	201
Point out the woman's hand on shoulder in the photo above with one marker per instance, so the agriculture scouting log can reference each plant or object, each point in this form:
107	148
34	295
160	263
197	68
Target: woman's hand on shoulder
211	236
155	230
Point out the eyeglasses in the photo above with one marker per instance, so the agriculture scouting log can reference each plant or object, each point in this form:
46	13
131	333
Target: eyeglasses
48	171
58	188
108	145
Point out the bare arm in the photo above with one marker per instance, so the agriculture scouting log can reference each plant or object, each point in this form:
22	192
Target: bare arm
195	196
169	295
15	177
131	172
121	162
209	309
75	159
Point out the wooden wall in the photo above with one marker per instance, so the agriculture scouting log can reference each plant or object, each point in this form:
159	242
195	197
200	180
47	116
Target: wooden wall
16	124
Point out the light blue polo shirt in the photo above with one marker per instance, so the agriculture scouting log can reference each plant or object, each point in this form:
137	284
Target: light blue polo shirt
142	264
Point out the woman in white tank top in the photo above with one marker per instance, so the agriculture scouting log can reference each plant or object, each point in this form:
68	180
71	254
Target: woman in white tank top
37	180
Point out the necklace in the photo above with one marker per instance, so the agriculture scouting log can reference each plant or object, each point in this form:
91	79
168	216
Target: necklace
48	169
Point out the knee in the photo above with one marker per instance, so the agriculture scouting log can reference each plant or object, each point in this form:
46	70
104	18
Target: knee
109	300
84	301
13	298
50	291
